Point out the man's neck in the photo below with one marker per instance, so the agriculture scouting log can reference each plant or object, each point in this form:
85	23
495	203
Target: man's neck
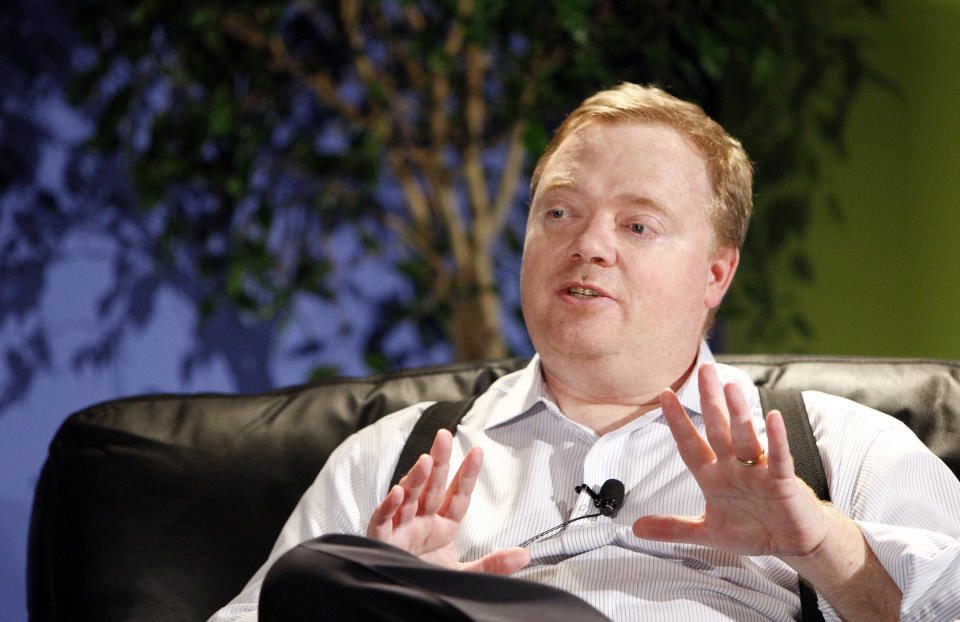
604	406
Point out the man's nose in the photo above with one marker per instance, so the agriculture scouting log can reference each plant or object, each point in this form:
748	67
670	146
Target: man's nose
595	242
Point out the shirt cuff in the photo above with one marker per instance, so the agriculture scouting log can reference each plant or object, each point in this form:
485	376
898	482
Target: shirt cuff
925	565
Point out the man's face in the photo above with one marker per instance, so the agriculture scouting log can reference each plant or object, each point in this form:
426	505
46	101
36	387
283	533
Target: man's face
619	259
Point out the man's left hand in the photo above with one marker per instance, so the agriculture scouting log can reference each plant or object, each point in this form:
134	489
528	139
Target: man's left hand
755	505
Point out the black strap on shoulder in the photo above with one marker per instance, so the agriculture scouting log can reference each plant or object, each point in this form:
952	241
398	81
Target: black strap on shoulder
440	415
807	464
806	457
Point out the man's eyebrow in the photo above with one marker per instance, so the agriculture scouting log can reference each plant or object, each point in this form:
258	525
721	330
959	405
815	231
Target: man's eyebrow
563	181
644	202
566	181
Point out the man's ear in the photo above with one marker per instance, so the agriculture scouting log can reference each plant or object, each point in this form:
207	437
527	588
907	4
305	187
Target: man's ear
720	275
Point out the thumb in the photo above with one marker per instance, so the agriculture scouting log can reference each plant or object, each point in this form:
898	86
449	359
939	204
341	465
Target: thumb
505	561
689	529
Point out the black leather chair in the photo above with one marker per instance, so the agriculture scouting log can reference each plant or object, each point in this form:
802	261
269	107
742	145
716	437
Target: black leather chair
161	507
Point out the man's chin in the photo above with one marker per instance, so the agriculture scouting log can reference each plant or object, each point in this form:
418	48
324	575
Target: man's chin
581	347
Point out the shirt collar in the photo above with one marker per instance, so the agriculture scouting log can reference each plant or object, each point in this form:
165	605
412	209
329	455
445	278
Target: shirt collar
521	391
518	393
689	393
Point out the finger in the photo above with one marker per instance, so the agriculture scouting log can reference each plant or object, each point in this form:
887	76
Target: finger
743	437
505	561
457	501
694	451
713	404
381	522
412	484
779	459
686	529
433	493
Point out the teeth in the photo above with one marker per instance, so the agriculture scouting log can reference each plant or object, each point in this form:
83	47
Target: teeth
582	292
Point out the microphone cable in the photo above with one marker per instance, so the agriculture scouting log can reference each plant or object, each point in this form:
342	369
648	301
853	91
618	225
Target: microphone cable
608	501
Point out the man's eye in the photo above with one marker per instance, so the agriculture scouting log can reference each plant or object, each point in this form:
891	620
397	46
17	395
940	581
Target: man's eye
637	227
558	213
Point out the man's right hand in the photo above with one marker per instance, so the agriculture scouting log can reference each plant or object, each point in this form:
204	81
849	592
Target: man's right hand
421	517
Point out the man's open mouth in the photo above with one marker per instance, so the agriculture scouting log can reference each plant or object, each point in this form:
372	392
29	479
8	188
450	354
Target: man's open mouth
582	292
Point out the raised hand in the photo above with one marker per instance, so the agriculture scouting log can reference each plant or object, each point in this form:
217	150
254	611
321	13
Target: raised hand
421	516
755	505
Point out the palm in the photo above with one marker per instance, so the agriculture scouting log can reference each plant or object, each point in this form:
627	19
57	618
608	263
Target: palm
754	510
756	513
416	526
421	516
428	537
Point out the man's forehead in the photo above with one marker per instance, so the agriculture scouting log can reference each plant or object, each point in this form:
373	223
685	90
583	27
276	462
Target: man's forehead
560	171
565	167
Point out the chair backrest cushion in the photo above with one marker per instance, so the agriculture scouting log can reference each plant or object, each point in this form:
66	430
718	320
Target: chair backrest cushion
162	506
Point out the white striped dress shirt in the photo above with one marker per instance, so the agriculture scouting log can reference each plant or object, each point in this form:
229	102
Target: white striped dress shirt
905	500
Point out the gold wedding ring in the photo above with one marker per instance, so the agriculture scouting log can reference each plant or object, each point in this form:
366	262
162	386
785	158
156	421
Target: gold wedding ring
752	461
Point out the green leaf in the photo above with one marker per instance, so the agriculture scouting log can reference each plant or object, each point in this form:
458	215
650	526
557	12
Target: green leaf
202	17
324	372
376	361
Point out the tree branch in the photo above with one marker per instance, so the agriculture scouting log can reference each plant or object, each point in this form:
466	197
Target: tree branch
416	199
381	92
320	82
455	37
418	76
487	229
491	227
474	112
442	281
417	242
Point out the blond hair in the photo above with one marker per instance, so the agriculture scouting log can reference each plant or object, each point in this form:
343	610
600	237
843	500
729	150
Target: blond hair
729	168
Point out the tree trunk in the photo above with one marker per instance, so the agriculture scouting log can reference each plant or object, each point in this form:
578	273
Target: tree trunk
476	322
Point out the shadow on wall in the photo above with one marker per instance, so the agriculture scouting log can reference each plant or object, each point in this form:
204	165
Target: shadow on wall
14	520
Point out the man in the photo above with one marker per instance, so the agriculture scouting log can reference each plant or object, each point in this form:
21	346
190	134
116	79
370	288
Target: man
639	207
